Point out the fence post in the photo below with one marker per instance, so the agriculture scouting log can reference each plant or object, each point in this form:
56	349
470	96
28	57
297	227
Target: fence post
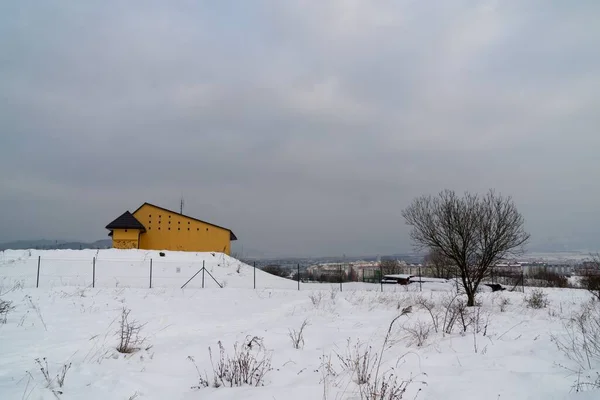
254	274
203	269
37	282
420	280
341	277
94	272
381	277
298	276
150	273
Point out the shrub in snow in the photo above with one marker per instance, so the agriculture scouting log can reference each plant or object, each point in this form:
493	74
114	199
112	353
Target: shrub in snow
359	360
316	298
418	332
129	334
581	340
456	310
431	308
385	386
333	294
537	299
56	383
364	365
37	310
5	308
504	302
587	382
248	365
479	320
202	379
297	336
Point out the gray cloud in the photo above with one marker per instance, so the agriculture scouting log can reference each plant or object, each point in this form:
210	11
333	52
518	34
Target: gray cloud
305	127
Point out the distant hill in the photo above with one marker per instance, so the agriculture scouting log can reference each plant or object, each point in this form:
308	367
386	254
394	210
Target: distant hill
55	244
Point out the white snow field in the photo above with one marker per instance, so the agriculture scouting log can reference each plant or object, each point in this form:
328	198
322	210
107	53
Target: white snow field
507	351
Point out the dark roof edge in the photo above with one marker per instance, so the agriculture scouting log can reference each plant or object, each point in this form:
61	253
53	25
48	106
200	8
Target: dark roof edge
232	235
126	221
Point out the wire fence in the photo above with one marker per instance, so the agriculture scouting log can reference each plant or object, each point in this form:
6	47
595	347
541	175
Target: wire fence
218	273
99	272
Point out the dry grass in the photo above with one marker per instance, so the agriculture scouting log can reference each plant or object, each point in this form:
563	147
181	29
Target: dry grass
130	340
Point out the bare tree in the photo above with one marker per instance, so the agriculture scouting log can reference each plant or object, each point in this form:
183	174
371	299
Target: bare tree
590	279
389	267
276	270
473	232
439	264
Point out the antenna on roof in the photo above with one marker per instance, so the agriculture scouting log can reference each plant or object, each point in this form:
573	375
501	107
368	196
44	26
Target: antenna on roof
181	202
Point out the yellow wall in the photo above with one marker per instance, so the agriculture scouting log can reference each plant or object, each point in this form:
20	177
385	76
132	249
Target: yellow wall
125	238
167	230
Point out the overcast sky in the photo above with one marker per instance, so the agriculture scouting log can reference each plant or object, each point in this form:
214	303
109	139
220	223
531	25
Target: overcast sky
303	126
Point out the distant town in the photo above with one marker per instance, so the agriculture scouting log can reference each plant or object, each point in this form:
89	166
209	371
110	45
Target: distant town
548	270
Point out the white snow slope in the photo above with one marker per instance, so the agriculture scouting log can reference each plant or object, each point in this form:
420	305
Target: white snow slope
508	354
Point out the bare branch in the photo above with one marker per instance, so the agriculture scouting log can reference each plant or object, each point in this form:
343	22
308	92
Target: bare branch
471	232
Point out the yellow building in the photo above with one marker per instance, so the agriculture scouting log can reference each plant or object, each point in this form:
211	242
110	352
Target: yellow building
155	228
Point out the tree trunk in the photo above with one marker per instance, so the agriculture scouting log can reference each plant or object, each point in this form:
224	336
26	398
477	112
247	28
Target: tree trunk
470	298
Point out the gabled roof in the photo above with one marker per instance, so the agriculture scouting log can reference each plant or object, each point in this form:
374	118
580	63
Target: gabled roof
231	234
126	221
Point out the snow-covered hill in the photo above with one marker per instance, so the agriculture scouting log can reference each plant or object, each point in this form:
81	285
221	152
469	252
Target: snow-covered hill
504	349
131	268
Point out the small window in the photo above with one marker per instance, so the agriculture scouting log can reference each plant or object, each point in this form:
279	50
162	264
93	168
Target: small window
149	215
169	228
169	222
178	229
188	229
206	229
125	230
169	216
149	228
178	222
188	222
159	215
198	229
159	228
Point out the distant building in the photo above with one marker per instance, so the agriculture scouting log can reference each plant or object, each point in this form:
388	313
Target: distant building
155	228
532	268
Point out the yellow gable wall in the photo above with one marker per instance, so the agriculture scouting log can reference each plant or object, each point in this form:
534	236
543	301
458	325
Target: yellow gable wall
167	230
125	238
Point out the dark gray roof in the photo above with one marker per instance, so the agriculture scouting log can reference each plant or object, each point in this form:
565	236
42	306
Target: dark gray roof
126	221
